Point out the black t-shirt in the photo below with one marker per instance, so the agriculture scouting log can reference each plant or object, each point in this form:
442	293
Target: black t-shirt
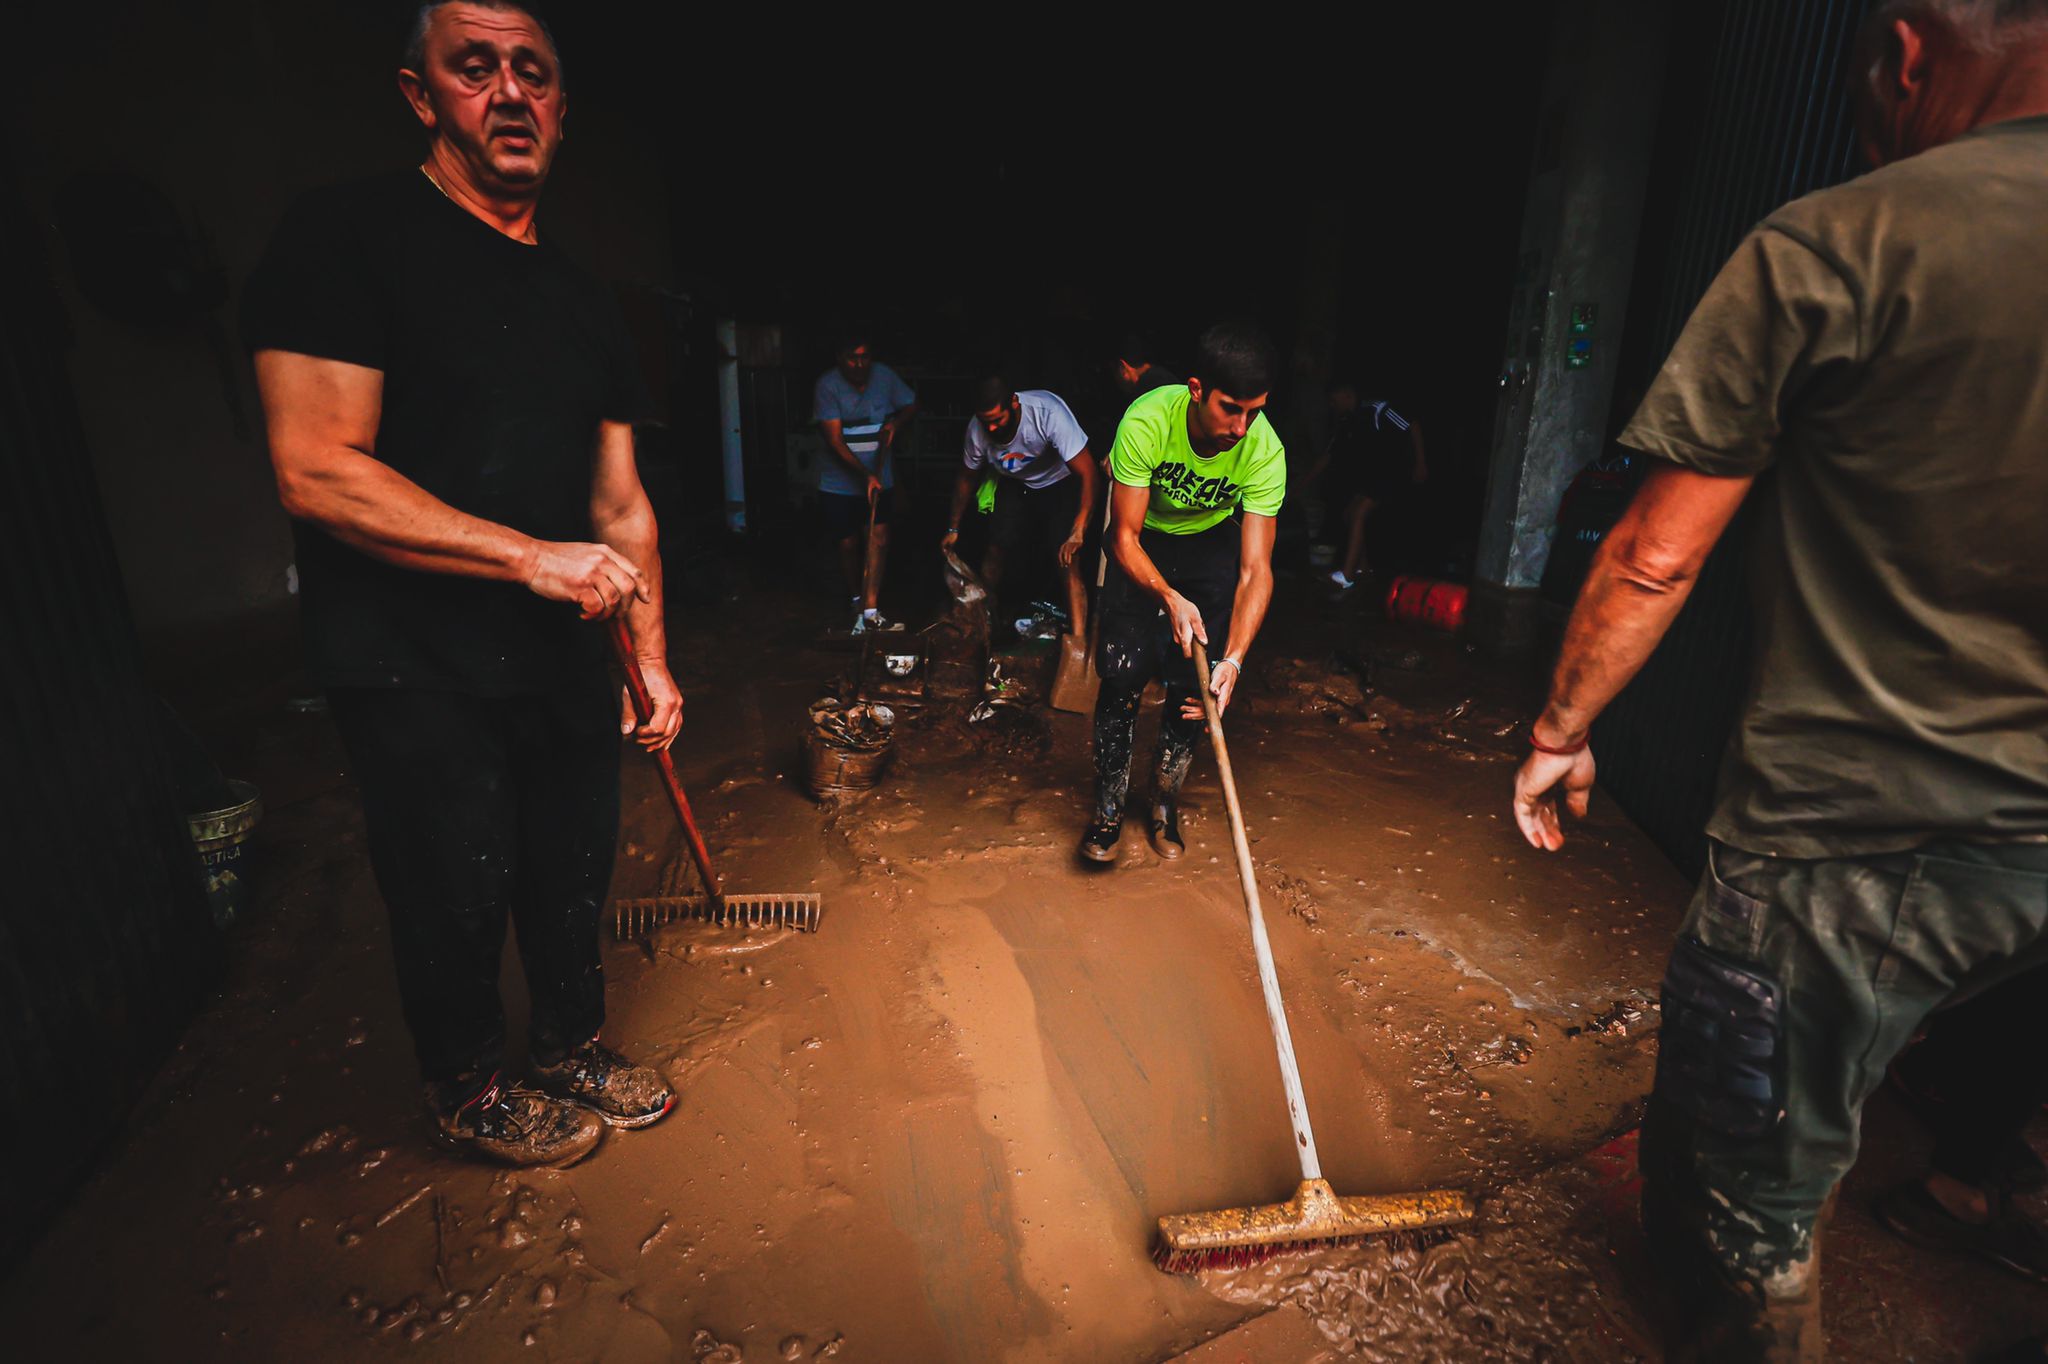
1370	452
500	359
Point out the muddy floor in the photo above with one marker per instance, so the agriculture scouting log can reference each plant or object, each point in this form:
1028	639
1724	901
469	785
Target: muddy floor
941	1127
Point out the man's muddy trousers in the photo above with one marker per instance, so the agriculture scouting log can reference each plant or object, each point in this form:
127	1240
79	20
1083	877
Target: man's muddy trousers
1137	648
1793	985
480	810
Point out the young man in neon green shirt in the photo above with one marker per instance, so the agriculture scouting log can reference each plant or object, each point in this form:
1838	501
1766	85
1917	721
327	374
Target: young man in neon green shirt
1197	477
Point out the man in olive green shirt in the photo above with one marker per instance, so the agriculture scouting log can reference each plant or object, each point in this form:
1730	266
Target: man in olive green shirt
1880	844
1197	477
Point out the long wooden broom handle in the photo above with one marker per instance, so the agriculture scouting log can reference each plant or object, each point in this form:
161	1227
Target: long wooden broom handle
1269	980
643	706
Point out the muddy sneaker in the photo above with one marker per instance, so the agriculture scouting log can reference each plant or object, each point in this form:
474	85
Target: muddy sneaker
2009	1239
874	622
1098	844
606	1083
1165	831
514	1125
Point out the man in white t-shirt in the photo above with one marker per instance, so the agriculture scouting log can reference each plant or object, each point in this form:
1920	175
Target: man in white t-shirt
1046	484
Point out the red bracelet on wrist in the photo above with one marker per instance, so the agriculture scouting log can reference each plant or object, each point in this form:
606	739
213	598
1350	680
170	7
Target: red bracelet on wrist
1541	747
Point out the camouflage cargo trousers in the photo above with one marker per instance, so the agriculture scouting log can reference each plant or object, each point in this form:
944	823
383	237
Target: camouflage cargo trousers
1792	986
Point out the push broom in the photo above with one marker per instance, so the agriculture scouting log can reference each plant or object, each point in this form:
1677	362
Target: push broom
1315	1216
636	916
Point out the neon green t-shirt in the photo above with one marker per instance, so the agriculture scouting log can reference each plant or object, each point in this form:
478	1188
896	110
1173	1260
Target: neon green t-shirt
1190	493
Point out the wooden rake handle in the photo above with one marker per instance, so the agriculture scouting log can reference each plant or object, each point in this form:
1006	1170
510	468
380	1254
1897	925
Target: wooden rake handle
1269	979
643	706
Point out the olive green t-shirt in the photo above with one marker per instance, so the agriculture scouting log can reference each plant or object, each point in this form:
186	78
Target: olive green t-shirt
1191	493
1882	347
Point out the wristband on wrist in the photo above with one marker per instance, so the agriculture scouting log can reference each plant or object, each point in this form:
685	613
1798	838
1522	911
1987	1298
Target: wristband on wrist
1554	750
1235	665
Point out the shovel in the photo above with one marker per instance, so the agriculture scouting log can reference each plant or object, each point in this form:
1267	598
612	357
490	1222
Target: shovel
1075	684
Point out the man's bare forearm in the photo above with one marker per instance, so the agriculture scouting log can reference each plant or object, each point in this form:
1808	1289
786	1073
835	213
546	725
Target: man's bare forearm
367	504
1639	581
1614	629
1248	608
633	533
963	488
1254	582
1137	565
1091	487
836	443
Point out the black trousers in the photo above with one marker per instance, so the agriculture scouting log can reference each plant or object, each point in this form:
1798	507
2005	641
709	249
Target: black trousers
1137	647
480	809
1030	524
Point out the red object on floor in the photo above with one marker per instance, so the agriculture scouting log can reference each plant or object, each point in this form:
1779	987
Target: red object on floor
1427	601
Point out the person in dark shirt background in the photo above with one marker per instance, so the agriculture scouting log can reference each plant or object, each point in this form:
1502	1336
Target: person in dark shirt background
450	404
1136	370
1373	452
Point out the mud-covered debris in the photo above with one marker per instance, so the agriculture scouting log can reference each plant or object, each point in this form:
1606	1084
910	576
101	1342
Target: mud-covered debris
1619	1018
956	646
852	724
1044	621
709	1349
1505	1050
1012	685
792	1347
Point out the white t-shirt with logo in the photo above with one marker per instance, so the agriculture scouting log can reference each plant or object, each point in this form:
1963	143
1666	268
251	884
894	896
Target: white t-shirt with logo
1047	437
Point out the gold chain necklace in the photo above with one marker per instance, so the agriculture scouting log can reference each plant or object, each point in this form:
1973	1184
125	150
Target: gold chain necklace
532	237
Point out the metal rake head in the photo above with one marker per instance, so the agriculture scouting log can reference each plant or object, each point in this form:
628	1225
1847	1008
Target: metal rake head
634	917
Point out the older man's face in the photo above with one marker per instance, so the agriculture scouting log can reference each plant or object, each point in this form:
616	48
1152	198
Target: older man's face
493	90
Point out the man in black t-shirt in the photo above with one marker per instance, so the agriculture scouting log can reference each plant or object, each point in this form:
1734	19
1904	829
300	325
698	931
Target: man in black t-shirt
450	405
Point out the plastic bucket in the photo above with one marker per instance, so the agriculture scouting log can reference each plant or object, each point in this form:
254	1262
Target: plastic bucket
1427	601
219	836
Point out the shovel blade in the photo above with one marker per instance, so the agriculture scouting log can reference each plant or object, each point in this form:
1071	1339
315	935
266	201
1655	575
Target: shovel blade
1075	684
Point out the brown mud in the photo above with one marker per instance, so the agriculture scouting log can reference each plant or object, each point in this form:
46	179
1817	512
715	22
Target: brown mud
941	1127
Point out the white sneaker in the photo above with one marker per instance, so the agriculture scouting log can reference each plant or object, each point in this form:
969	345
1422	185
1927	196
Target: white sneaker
1343	582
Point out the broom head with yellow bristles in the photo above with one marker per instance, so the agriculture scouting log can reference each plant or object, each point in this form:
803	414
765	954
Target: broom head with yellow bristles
1315	1217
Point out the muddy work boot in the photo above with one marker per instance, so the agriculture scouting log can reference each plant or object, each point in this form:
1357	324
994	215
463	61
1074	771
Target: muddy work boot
606	1083
1098	842
1165	830
514	1125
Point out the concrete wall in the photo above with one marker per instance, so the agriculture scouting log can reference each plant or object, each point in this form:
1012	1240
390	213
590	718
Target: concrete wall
229	108
1590	171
